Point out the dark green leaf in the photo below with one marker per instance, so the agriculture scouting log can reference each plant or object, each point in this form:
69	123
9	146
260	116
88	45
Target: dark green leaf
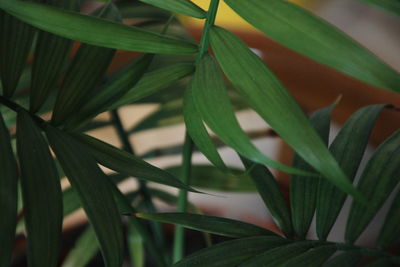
51	54
303	190
377	181
231	253
83	76
346	259
198	132
95	31
8	195
16	41
153	82
271	194
264	92
93	189
388	5
210	224
312	258
348	149
211	100
390	231
138	10
384	262
179	6
297	28
279	255
126	163
41	193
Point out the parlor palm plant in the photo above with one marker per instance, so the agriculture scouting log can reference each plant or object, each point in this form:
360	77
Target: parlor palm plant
75	92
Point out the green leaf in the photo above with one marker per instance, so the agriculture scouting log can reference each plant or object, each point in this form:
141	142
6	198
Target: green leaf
49	61
211	100
210	224
8	195
126	163
264	92
231	253
384	262
83	76
85	248
296	28
346	259
41	194
94	192
212	178
390	231
135	244
153	82
348	149
198	132
379	178
271	194
16	41
312	258
95	31
392	6
184	7
279	255
303	190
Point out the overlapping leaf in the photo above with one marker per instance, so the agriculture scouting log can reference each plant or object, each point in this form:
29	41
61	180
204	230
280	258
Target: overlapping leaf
346	259
313	257
390	231
179	6
95	31
392	6
297	29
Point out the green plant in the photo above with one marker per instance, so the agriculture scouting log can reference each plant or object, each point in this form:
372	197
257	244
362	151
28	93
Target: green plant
81	95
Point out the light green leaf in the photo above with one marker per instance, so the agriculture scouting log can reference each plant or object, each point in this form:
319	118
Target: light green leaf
135	244
298	29
303	190
264	92
312	258
184	7
41	194
211	100
231	253
270	192
379	178
8	195
95	31
97	201
346	259
390	231
15	43
392	6
49	60
348	149
210	224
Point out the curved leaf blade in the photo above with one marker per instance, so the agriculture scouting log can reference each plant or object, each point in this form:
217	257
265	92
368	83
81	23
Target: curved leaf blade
348	149
184	7
41	194
392	6
379	178
312	258
8	195
390	232
264	92
210	224
95	31
98	201
346	259
296	28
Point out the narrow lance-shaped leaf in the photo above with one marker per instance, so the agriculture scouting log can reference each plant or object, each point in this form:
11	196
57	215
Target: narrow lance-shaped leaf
8	195
184	7
348	149
211	100
234	252
265	93
210	224
50	58
198	132
97	201
303	190
392	6
126	163
16	41
390	231
83	76
379	178
135	244
269	191
297	28
41	194
95	31
346	259
314	257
